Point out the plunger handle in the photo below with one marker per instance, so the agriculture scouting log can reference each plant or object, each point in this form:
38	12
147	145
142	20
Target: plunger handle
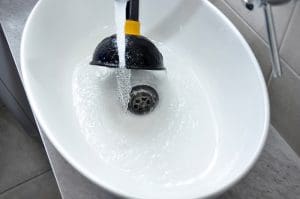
132	10
132	25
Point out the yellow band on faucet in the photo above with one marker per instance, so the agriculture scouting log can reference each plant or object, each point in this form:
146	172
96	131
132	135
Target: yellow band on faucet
132	27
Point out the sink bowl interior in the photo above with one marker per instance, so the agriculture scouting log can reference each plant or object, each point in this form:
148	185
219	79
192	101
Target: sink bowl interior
211	122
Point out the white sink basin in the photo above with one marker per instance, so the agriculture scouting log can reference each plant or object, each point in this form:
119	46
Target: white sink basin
208	129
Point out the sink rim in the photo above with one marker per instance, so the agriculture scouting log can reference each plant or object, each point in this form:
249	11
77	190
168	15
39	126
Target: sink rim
42	124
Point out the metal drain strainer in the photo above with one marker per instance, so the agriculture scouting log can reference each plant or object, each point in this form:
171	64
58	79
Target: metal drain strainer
143	99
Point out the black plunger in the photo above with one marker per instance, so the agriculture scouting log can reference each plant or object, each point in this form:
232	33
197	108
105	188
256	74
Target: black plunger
140	54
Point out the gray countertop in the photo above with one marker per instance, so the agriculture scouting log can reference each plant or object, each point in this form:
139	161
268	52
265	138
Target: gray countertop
276	174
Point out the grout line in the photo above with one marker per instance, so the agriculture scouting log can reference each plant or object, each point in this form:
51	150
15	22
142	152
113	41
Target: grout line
18	76
248	24
244	21
288	26
288	66
25	181
261	38
10	46
294	155
17	102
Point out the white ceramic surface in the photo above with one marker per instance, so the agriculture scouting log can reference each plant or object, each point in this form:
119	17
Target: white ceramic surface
210	125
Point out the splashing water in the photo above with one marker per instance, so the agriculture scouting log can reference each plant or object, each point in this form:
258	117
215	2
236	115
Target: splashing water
123	75
151	150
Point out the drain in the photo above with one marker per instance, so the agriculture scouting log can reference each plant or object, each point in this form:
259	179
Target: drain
143	100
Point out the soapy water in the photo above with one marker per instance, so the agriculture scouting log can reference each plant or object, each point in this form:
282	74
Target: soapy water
158	148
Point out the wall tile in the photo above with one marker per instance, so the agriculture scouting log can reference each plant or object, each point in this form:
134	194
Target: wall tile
13	14
285	106
42	187
258	46
12	91
284	91
256	19
290	50
21	157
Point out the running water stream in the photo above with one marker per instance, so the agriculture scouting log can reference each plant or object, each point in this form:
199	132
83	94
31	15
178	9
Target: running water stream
123	75
120	18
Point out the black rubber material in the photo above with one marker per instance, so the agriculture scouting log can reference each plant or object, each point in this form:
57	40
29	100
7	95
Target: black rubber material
249	6
132	10
141	54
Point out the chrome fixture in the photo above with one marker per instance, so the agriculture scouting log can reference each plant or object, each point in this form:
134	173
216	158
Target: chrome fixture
274	51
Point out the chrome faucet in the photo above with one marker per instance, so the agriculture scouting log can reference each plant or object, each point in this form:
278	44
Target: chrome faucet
274	51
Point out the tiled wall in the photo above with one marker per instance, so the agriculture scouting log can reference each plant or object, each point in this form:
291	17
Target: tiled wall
285	91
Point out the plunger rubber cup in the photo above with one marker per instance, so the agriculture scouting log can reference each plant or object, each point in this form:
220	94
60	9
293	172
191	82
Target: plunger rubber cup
140	54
